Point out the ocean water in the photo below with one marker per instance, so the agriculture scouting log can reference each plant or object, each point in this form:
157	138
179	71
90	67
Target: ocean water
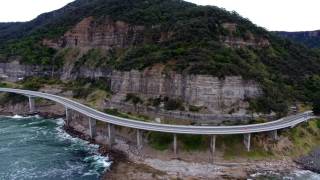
36	148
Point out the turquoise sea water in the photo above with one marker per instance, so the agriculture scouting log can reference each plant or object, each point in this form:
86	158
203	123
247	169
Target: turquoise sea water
36	148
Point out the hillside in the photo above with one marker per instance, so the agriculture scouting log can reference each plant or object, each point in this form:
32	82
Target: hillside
309	38
181	37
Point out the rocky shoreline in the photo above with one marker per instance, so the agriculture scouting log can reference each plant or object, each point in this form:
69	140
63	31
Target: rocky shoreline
127	164
311	161
122	168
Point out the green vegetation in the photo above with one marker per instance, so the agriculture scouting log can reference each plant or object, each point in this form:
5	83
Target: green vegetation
305	137
170	104
229	143
306	38
4	85
129	115
6	98
316	106
194	108
318	123
163	141
173	104
301	140
155	102
97	58
83	87
133	99
160	141
115	112
193	142
32	52
35	83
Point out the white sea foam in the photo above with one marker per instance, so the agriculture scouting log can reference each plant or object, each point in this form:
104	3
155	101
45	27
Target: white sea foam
17	116
304	174
295	175
95	159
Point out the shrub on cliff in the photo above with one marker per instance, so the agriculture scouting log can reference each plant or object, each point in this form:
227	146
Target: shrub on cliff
33	83
173	104
130	97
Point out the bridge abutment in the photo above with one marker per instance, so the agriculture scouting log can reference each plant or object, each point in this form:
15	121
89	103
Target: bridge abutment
92	128
247	141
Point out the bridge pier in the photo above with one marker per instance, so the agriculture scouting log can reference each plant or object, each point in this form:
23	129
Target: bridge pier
139	139
68	116
213	145
274	135
247	141
31	104
175	144
111	134
92	128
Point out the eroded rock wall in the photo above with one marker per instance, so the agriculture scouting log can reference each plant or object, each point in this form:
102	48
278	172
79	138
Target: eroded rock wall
15	71
103	33
216	96
226	95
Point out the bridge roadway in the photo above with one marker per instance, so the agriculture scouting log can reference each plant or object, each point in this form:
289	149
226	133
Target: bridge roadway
282	123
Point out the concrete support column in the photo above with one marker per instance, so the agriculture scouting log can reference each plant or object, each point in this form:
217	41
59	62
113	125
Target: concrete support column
247	141
111	134
274	135
139	139
92	128
31	104
213	145
68	116
175	144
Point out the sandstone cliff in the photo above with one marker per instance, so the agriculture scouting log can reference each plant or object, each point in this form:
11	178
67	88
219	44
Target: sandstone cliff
211	94
218	96
92	33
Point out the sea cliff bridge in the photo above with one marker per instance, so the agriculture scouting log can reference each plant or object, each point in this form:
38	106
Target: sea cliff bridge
95	115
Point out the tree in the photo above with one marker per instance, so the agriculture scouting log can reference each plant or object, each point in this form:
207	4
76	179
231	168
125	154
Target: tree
316	105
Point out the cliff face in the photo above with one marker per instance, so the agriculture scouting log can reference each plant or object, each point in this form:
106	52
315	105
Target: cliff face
308	38
106	33
216	95
15	71
249	40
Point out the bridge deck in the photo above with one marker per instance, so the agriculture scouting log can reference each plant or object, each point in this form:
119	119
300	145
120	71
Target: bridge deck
282	123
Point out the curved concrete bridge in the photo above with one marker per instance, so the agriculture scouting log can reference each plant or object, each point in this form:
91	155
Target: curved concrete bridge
94	115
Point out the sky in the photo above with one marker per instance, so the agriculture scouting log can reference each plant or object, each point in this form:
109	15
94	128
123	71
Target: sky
287	15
